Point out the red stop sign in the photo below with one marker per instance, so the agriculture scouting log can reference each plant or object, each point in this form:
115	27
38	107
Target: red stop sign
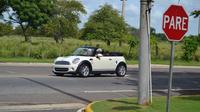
175	23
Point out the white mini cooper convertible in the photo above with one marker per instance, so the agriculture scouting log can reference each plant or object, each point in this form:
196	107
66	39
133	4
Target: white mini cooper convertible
90	60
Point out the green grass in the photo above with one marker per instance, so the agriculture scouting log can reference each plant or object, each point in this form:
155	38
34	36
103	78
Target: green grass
25	60
166	62
130	62
44	49
178	104
177	62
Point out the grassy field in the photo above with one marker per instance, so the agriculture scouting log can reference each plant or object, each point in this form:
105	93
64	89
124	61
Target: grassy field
43	49
130	62
25	60
178	104
166	62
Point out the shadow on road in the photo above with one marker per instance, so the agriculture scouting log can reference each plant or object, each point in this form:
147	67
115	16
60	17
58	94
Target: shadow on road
76	76
58	90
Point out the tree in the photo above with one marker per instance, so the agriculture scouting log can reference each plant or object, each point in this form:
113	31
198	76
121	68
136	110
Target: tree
133	31
154	43
195	13
29	32
65	20
132	42
28	13
161	37
154	40
5	29
131	38
2	6
105	24
189	47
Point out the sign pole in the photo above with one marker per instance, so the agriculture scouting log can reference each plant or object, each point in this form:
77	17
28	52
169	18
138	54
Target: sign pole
170	76
173	18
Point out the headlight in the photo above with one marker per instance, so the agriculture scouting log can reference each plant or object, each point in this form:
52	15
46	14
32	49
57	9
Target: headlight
76	60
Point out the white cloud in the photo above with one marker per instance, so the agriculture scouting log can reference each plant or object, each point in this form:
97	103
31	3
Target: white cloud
133	9
115	6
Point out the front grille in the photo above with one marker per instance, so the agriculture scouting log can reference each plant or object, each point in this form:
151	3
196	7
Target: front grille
62	63
61	69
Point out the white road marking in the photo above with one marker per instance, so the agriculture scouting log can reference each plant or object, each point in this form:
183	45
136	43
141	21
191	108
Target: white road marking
81	110
11	72
165	90
19	108
110	91
126	91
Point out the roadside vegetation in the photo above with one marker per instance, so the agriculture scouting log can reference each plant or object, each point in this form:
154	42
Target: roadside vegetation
178	104
47	29
45	49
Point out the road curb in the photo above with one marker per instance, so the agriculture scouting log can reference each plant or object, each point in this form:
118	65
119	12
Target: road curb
39	107
164	66
50	65
27	64
88	108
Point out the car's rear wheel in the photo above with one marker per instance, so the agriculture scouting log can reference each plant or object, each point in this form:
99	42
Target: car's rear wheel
121	70
84	70
59	74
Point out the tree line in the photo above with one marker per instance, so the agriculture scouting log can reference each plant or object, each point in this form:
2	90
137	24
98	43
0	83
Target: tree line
60	18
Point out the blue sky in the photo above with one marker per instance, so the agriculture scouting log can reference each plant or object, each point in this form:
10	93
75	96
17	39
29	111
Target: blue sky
133	11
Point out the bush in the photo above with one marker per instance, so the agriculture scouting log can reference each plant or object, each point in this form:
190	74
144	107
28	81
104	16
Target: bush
189	47
46	48
5	29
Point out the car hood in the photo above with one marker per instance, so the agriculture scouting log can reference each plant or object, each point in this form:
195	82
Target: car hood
68	58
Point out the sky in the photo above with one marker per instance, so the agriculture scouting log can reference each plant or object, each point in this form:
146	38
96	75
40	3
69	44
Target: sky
133	12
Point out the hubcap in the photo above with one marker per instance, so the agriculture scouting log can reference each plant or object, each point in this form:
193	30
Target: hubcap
85	71
122	70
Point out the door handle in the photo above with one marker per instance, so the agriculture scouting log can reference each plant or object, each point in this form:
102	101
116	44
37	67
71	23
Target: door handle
110	59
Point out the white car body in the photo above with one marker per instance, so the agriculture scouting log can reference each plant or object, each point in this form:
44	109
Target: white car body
101	64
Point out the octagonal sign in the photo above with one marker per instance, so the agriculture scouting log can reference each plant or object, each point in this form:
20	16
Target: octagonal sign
175	23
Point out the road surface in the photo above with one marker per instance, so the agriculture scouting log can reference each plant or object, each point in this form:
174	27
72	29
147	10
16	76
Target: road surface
38	86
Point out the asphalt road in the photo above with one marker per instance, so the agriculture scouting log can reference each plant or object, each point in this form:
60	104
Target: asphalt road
36	85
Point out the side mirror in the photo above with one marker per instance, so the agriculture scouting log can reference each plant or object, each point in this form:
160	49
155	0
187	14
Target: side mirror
99	55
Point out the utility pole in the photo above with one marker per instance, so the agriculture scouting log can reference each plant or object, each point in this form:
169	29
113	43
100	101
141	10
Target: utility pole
144	61
148	12
123	8
123	16
199	27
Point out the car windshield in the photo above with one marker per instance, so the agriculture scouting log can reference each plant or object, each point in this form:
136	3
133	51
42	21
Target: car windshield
83	52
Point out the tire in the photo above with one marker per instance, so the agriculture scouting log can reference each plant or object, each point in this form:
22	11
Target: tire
59	74
84	70
121	70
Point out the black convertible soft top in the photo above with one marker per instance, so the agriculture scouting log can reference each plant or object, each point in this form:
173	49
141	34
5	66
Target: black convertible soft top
112	54
105	53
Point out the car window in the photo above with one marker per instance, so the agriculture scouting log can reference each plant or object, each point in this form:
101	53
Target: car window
83	52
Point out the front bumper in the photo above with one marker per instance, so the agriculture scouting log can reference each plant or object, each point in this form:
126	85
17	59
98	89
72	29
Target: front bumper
64	69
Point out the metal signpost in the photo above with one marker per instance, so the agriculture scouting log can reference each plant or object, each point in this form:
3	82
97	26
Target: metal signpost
175	25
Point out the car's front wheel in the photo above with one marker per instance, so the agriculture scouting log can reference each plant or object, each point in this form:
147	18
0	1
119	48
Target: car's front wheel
121	70
84	70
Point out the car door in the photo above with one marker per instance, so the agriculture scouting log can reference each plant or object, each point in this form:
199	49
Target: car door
103	63
109	63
